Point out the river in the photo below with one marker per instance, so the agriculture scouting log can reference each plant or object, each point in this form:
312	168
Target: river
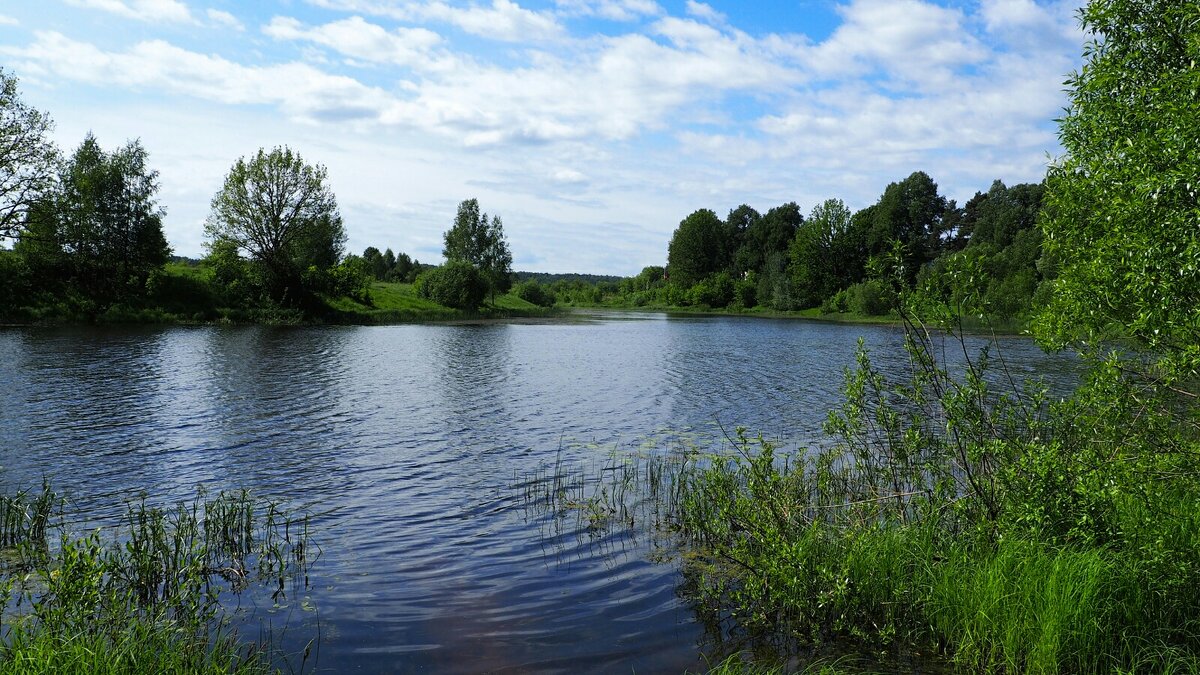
408	443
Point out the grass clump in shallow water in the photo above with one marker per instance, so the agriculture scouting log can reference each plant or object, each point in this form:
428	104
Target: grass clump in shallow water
959	515
148	597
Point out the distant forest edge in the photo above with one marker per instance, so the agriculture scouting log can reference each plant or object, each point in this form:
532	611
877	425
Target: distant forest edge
88	245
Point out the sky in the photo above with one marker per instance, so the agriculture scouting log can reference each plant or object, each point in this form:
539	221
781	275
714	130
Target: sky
592	127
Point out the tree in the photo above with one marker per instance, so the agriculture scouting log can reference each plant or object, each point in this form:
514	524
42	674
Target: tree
771	234
909	212
699	247
815	255
282	212
1123	220
478	240
101	228
377	265
27	157
740	221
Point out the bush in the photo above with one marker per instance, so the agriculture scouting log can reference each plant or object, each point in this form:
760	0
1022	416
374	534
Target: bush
873	297
455	284
714	291
745	292
835	304
533	292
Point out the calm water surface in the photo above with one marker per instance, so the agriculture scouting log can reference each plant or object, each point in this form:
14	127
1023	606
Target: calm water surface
410	442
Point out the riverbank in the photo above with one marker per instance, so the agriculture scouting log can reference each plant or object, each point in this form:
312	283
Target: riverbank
968	323
183	295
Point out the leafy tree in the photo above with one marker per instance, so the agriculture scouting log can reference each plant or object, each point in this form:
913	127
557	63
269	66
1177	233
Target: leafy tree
768	235
405	269
715	291
282	212
27	157
815	254
1122	203
699	247
478	240
101	229
389	264
738	223
909	212
376	265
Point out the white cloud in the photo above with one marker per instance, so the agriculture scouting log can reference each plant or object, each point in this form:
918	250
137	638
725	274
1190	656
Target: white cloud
1030	26
607	88
8	21
705	12
613	10
142	10
504	20
918	42
299	90
358	39
563	130
222	18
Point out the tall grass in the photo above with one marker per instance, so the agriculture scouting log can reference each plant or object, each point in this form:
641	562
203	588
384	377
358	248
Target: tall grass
147	596
952	515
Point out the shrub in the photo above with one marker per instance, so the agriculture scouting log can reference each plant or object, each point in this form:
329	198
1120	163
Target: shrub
533	292
714	291
870	298
455	284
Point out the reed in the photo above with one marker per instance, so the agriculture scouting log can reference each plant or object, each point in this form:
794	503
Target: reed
147	596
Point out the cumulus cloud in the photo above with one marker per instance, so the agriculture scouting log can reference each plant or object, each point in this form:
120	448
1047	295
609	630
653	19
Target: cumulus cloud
669	112
224	19
705	12
300	90
613	10
610	88
142	10
918	42
503	20
358	39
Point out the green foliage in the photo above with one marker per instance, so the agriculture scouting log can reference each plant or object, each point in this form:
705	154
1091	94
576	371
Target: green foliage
99	233
147	600
715	291
479	240
456	284
1121	204
874	297
533	292
282	212
27	157
699	247
909	212
351	278
766	236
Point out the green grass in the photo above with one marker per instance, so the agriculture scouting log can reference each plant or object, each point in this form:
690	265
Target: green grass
399	303
145	597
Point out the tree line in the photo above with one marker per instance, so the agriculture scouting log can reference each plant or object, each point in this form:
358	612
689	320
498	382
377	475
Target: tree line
843	261
87	236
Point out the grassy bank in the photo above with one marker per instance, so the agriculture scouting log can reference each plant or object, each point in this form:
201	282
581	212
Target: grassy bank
144	597
969	323
183	294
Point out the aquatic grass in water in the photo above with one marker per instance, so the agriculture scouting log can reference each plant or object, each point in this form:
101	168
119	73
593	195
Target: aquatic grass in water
994	529
147	597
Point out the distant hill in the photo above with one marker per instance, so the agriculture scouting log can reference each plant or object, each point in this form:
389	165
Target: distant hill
547	278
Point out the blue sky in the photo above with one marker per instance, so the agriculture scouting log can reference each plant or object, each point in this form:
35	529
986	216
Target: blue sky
591	126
